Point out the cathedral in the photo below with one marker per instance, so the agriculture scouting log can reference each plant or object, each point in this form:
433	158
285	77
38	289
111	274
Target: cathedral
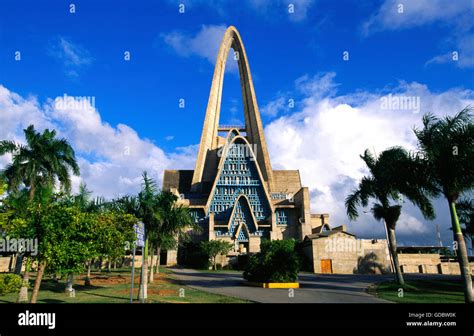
233	193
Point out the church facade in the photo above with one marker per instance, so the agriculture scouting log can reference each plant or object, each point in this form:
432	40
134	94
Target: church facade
233	192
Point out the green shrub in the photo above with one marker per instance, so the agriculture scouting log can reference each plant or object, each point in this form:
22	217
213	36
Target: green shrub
10	283
277	262
306	262
242	261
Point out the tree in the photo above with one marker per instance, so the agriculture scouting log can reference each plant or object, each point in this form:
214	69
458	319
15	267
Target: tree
147	212
175	223
213	248
465	209
43	160
17	221
84	203
395	173
447	147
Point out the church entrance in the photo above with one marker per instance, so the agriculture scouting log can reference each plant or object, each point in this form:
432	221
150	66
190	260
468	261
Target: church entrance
326	266
163	258
242	247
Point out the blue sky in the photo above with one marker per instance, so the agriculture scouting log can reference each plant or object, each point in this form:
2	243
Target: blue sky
292	56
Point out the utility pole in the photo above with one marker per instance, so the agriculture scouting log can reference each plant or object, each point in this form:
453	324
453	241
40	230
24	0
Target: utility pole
438	233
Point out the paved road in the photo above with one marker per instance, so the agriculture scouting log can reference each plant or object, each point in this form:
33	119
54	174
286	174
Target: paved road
314	288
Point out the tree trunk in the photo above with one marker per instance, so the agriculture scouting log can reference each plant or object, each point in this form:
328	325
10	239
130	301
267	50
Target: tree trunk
109	263
23	295
69	283
39	277
87	282
19	263
11	263
152	265
32	192
472	243
392	245
461	253
158	257
143	291
214	263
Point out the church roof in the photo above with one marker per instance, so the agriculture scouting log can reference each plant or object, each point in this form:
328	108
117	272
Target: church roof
325	234
284	180
178	179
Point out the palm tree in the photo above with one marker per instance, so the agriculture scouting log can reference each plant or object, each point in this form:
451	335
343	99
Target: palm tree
43	159
447	146
465	209
147	213
165	223
39	163
391	177
175	222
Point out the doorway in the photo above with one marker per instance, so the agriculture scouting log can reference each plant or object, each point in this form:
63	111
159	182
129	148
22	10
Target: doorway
326	266
163	258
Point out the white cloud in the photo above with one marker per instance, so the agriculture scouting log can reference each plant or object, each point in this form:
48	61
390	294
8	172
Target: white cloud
390	16
408	224
456	15
461	53
111	159
274	107
319	86
204	44
325	137
73	56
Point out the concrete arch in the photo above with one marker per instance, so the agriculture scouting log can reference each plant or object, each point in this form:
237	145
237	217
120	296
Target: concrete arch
253	122
247	203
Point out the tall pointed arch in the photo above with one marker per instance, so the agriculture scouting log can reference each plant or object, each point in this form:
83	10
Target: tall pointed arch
253	123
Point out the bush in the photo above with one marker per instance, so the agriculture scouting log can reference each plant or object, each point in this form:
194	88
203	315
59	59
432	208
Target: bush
306	262
10	283
277	262
242	262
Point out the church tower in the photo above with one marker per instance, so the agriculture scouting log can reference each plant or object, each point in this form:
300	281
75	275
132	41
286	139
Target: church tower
233	192
206	163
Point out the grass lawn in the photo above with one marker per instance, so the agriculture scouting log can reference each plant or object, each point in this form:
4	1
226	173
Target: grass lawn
114	287
422	291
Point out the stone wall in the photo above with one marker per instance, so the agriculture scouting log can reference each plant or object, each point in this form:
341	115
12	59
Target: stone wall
429	263
171	260
349	255
4	263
